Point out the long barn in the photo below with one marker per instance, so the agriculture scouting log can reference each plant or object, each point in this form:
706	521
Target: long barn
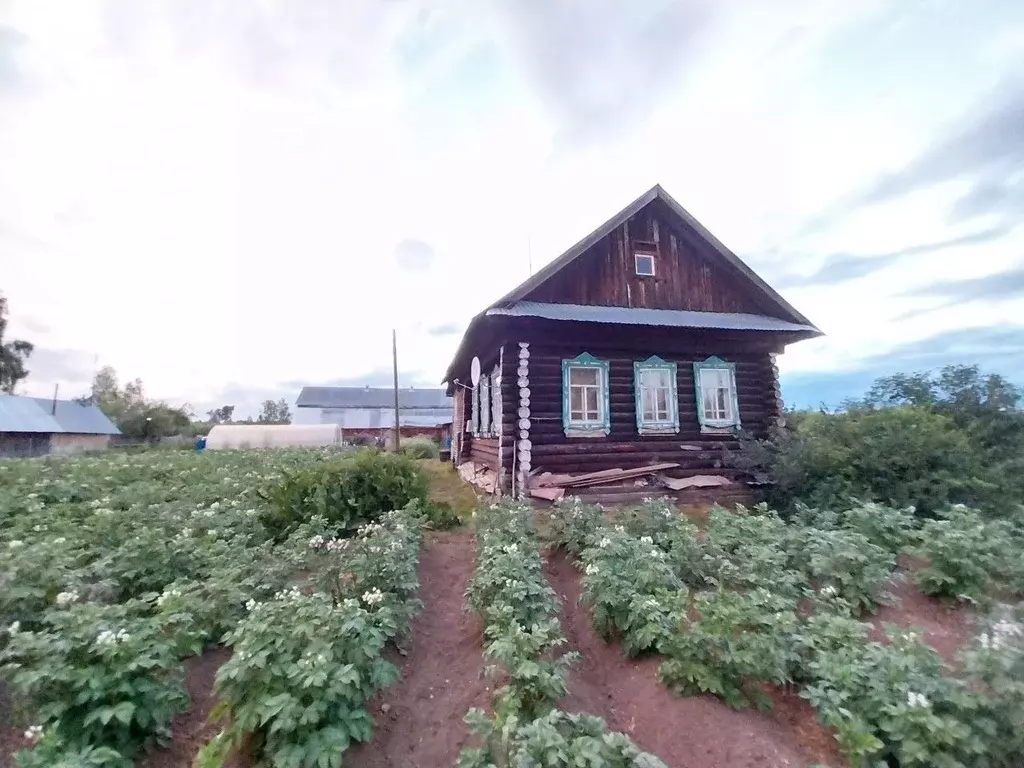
646	343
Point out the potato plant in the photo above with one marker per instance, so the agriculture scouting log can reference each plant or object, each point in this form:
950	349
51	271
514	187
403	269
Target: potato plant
730	639
157	554
304	665
894	702
573	523
633	592
846	564
966	556
994	665
98	676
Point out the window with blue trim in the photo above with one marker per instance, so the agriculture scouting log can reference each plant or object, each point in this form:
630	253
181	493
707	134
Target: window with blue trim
715	386
654	389
585	398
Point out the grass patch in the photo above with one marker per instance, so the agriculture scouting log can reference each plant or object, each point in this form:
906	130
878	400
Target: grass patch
447	489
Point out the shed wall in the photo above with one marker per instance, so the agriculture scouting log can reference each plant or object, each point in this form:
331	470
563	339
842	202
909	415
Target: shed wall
20	445
64	444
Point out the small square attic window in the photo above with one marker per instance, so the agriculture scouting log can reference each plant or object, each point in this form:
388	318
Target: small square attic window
644	264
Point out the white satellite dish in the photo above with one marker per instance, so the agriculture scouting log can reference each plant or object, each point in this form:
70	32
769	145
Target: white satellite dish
474	371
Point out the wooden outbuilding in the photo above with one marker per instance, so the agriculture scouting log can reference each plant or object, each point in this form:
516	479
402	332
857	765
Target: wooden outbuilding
647	345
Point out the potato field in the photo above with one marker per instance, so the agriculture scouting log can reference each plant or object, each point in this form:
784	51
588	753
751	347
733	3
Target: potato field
303	609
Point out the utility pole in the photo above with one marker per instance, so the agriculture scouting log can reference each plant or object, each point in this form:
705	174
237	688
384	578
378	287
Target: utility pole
394	358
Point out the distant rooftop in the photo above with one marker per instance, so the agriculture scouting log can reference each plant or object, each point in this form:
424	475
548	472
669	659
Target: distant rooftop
36	414
373	397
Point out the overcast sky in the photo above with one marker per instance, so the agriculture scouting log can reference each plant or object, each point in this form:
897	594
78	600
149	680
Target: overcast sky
232	199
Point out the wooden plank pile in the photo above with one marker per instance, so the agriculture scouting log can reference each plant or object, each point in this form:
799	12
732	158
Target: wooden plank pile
552	487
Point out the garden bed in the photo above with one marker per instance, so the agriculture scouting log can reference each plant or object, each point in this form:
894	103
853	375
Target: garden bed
683	731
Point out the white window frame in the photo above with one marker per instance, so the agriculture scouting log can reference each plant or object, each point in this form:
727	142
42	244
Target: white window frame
670	424
716	421
485	405
495	404
600	426
636	264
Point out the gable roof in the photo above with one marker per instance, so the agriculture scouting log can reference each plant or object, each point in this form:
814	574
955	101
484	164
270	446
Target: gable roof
654	193
512	303
372	397
36	414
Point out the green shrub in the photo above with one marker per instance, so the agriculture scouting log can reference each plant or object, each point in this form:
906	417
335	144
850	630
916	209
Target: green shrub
347	492
966	556
909	456
420	448
98	676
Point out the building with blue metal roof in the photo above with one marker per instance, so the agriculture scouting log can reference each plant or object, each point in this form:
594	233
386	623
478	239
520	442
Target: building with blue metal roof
36	426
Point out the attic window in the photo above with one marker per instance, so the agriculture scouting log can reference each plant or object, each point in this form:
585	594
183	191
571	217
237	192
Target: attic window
644	264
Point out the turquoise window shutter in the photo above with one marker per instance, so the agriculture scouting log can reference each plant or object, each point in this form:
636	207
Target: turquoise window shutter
720	376
670	423
586	427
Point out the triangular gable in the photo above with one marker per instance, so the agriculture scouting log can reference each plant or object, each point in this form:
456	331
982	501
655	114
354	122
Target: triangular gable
716	250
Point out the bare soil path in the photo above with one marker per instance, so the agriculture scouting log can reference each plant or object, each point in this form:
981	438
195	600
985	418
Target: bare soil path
419	719
685	732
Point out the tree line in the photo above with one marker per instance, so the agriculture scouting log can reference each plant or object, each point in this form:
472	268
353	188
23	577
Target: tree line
927	440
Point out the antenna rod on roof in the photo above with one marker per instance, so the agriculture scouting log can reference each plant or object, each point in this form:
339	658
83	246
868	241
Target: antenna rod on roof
529	254
394	358
53	411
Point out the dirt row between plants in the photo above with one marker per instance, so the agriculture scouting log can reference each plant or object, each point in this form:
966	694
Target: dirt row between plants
685	732
419	719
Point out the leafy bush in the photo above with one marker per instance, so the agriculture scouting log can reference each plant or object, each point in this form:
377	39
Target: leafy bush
893	704
731	639
909	456
346	492
966	556
420	448
98	676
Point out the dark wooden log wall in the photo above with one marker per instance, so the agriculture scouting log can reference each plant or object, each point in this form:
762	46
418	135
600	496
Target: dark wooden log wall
687	276
624	446
485	449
